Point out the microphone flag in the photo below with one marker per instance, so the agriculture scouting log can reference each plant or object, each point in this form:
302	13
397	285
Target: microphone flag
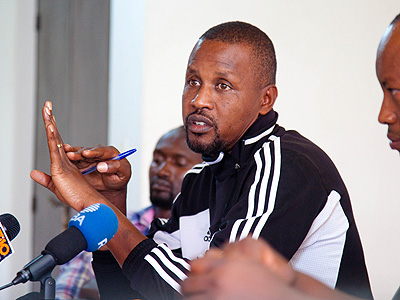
5	244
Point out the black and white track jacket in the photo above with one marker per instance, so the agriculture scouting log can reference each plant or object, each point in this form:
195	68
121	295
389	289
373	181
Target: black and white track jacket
276	185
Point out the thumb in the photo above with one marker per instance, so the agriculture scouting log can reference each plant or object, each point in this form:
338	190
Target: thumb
43	179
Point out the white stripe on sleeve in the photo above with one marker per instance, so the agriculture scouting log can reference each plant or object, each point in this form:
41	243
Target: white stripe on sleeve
168	279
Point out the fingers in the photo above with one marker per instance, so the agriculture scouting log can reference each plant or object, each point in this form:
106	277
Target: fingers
50	122
196	288
99	153
268	256
70	149
247	247
110	167
75	153
54	140
43	179
60	163
119	169
261	252
200	279
66	180
204	264
85	157
275	262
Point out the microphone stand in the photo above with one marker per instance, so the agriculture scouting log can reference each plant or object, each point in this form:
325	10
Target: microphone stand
47	289
40	270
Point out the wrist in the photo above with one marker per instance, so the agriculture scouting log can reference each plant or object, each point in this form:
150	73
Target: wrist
117	198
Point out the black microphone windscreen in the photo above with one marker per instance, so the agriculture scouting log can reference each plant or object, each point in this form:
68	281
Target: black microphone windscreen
10	224
66	245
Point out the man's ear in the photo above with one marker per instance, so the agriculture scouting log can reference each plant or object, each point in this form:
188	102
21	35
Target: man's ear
269	95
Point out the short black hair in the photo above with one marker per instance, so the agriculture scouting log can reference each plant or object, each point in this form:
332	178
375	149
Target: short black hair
237	32
395	20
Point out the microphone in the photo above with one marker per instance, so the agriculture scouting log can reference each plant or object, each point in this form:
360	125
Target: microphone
9	228
10	224
88	230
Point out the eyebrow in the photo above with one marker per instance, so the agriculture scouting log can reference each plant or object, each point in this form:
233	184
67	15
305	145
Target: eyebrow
156	151
225	74
191	70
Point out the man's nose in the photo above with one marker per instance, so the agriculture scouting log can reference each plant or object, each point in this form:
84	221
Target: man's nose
387	114
203	98
164	169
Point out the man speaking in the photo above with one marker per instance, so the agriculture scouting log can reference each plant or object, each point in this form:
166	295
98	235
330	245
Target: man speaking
258	180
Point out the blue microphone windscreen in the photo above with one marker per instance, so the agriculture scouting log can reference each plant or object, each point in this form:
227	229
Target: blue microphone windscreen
98	224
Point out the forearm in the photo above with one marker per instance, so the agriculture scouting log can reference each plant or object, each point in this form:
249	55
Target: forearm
125	240
127	236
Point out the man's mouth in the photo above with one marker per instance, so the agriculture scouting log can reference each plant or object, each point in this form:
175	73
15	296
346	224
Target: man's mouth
394	141
161	185
395	145
198	124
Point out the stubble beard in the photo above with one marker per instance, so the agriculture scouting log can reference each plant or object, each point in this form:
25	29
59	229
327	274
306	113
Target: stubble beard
162	202
206	149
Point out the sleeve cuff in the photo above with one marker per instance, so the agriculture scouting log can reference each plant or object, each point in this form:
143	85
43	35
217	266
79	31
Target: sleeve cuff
136	257
104	260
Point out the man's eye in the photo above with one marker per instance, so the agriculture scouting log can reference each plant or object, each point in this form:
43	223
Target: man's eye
182	163
223	86
193	82
395	92
157	160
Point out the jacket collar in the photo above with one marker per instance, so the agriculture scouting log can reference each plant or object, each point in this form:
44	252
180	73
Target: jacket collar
226	164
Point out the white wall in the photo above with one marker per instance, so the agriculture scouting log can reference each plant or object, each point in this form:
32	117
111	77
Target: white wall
125	87
17	94
327	90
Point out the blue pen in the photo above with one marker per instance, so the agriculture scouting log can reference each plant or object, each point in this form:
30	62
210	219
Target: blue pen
118	157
